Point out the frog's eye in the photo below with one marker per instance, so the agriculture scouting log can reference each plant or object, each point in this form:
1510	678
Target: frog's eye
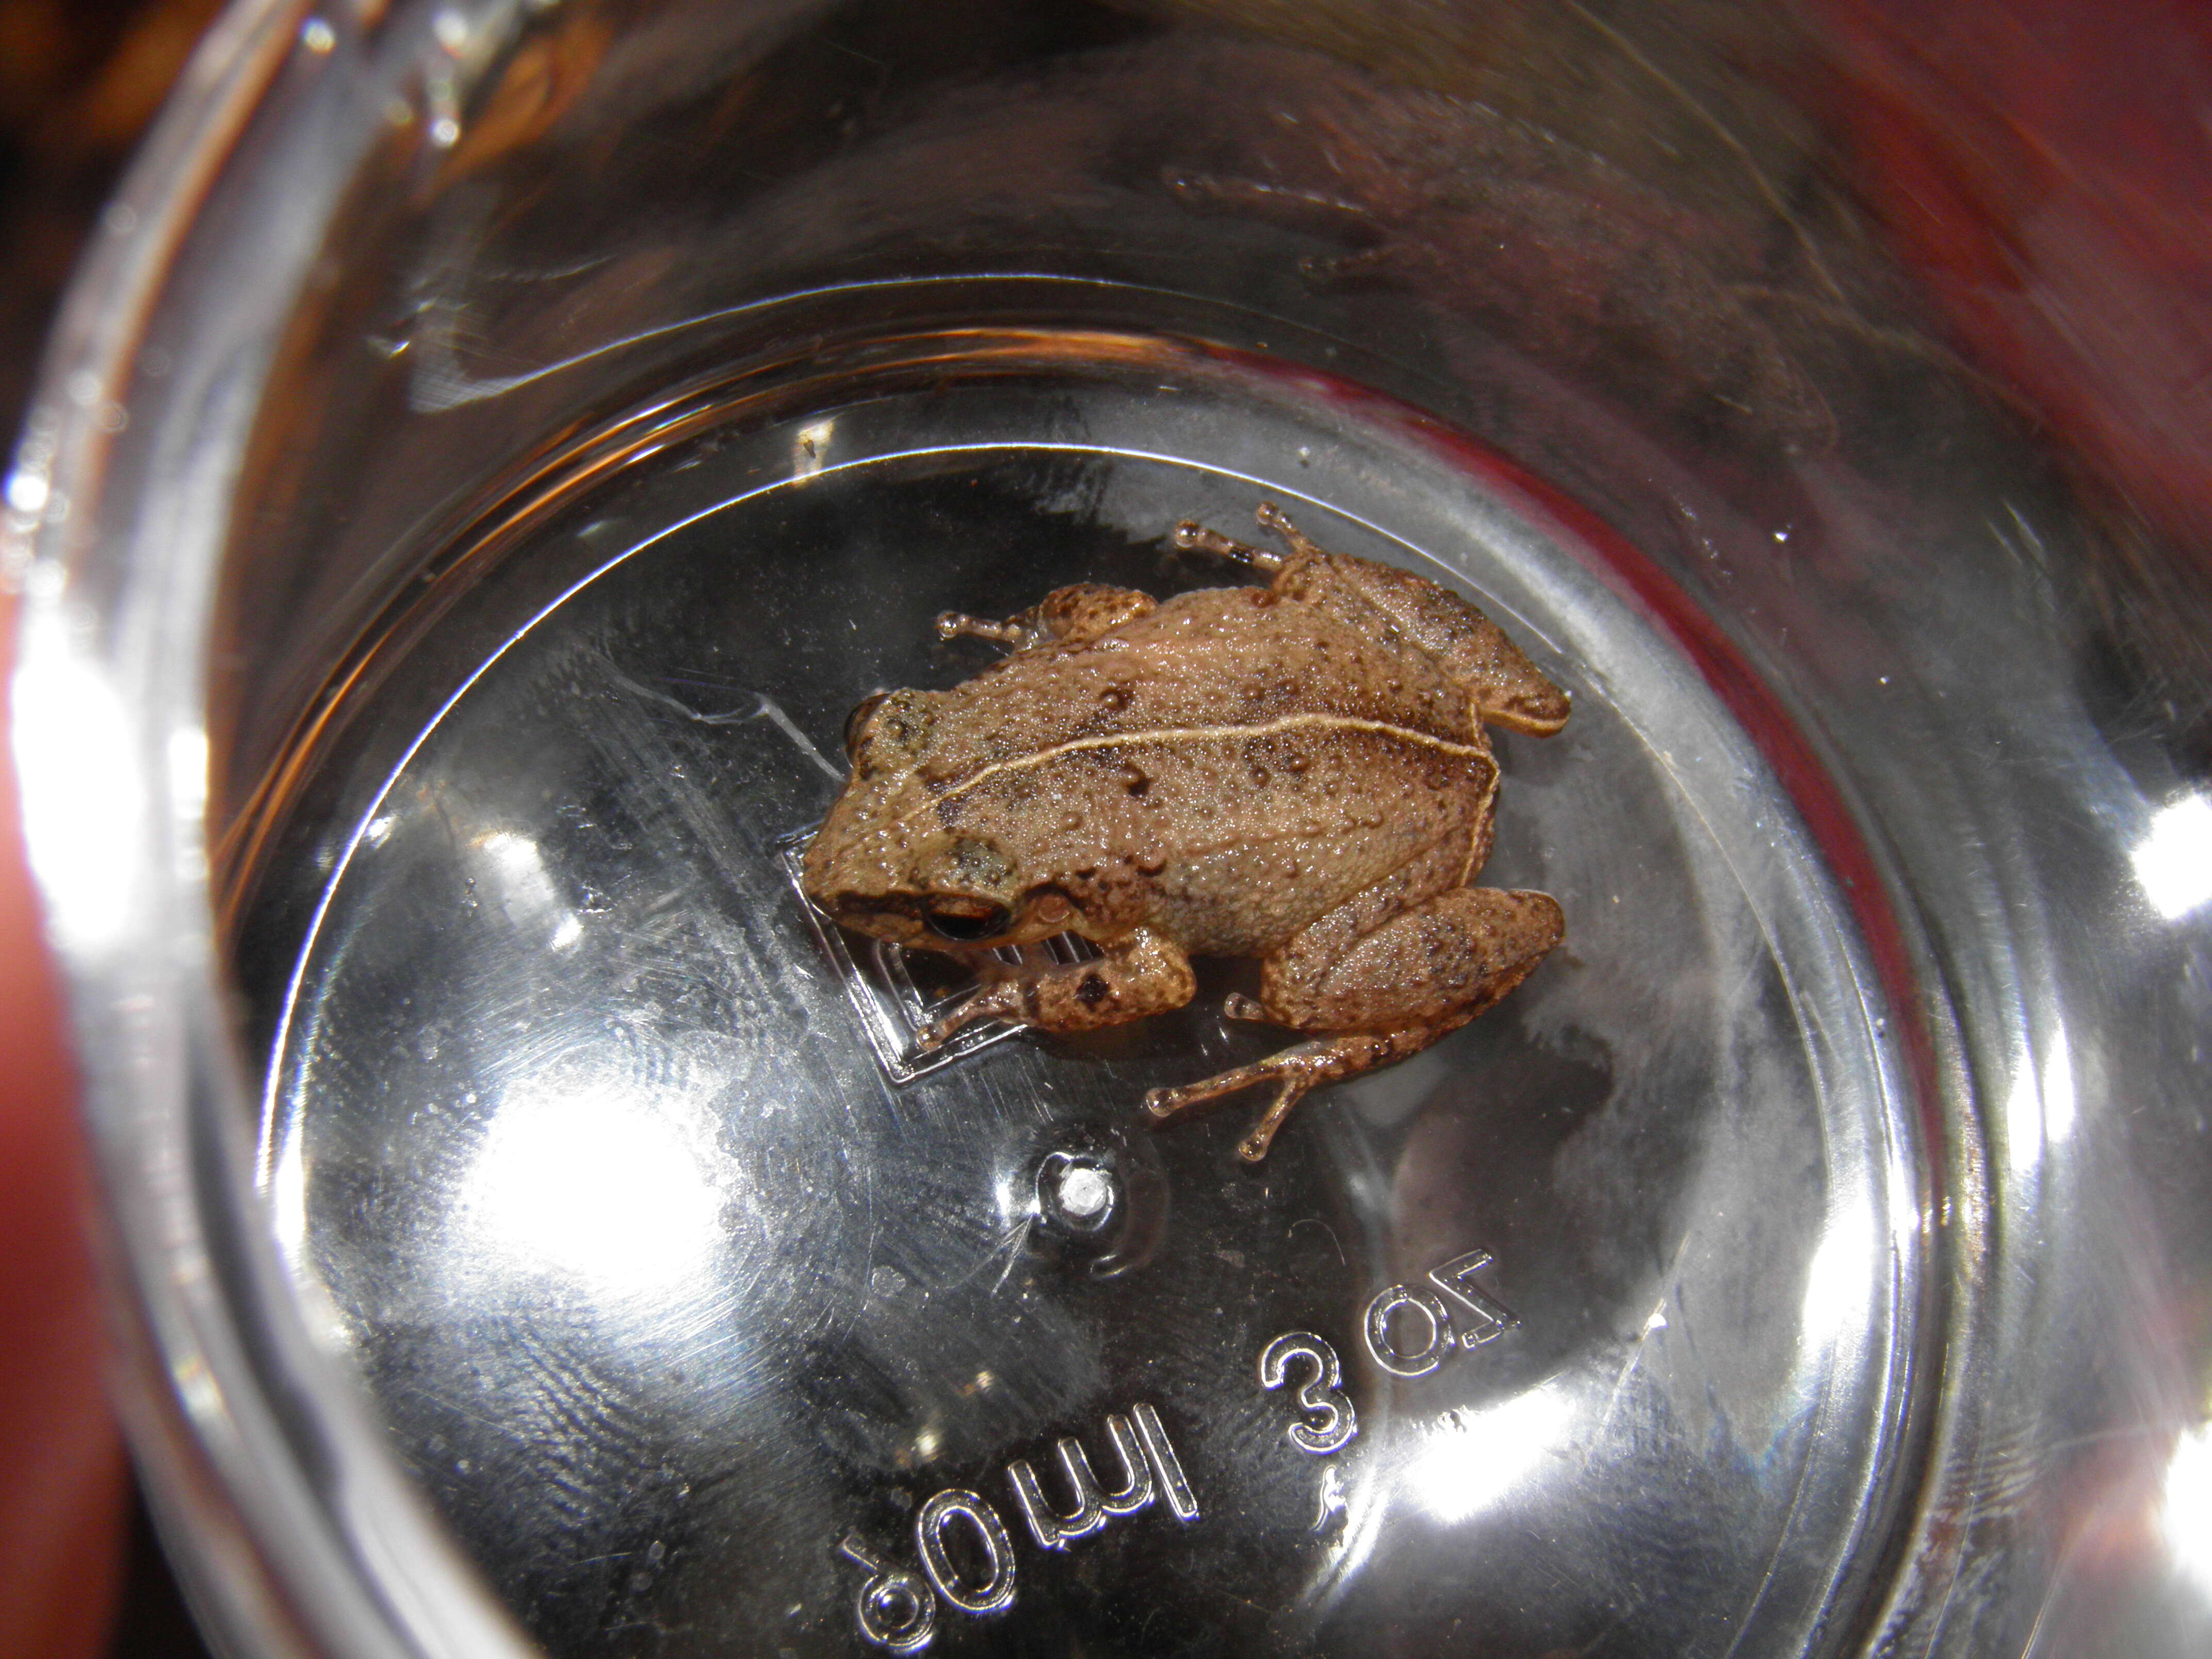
966	921
856	723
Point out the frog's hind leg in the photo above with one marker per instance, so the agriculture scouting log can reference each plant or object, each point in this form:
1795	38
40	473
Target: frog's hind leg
1386	994
1506	688
1296	1072
1463	950
1068	615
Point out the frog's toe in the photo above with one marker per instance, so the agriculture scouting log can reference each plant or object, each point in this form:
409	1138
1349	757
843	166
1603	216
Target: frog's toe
1237	1005
1295	1072
1254	1146
1160	1105
1192	536
998	1001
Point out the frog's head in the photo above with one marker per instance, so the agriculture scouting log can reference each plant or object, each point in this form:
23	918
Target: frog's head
885	863
932	890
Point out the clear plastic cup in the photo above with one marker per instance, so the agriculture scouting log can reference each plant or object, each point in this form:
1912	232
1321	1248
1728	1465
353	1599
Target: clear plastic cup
492	449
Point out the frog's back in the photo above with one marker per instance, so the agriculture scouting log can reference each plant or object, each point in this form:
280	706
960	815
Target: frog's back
1217	657
1226	767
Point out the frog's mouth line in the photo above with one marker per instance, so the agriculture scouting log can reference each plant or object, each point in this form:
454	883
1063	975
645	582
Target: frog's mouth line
915	921
893	1008
901	919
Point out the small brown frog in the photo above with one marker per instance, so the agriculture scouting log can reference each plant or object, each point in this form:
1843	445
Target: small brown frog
1297	773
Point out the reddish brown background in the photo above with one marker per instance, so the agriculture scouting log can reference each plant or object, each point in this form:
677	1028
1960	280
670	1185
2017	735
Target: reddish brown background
79	1571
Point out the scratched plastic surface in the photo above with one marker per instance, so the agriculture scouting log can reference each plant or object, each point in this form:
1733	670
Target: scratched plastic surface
1584	1325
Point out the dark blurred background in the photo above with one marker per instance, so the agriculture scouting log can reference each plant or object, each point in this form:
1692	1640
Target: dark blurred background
79	81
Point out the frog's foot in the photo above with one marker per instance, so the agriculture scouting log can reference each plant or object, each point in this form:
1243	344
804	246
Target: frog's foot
1277	523
1139	976
1193	537
1296	1072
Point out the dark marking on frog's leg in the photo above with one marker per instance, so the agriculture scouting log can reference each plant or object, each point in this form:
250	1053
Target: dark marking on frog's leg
1392	991
1191	536
1143	975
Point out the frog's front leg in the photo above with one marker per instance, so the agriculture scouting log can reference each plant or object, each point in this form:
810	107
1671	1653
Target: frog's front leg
1385	994
1065	616
1142	975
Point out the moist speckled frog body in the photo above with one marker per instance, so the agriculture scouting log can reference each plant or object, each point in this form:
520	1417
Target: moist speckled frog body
1297	773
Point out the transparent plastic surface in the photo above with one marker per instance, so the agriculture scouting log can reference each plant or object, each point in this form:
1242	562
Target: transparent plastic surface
641	1248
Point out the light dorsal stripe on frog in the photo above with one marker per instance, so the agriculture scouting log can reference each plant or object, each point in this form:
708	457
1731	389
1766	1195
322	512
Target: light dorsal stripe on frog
1205	734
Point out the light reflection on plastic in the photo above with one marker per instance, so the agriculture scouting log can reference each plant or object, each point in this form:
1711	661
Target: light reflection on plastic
2188	1511
522	871
1472	1459
525	891
2042	1107
595	1188
188	789
73	741
2173	861
2058	1100
288	1207
808	448
1840	1276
